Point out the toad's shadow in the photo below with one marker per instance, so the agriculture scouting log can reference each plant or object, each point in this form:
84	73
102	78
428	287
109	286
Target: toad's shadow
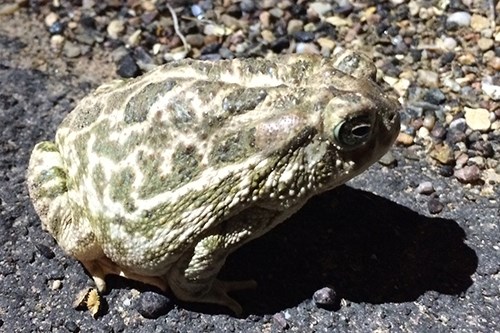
367	248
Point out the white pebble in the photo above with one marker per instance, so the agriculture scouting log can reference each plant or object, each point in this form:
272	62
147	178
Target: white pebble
477	119
459	18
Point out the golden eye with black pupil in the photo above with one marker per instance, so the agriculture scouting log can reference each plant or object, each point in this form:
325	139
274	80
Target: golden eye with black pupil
353	131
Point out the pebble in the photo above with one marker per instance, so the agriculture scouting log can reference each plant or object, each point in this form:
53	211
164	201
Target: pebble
152	305
443	153
50	19
276	12
435	96
435	206
56	28
326	43
45	250
404	139
127	67
425	188
429	121
325	297
280	320
458	124
490	89
459	18
388	159
477	118
485	44
71	50
446	171
320	8
115	28
428	78
468	174
248	6
304	36
307	48
294	26
267	35
56	42
195	40
494	63
56	284
478	160
71	326
479	23
8	8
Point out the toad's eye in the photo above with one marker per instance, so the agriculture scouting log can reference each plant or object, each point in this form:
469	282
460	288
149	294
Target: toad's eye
353	132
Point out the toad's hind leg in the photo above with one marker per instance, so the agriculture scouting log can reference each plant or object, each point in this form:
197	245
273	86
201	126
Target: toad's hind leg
48	188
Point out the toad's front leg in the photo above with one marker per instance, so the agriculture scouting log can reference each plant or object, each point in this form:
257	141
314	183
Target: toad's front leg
194	277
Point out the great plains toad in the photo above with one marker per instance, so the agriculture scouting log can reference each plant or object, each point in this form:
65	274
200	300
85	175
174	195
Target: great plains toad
161	177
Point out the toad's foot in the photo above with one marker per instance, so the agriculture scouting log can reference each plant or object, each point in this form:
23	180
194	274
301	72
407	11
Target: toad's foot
101	267
218	294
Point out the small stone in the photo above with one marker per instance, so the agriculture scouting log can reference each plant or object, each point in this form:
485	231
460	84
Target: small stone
478	160
115	28
467	59
388	159
152	305
280	320
195	40
429	121
268	36
45	250
468	174
405	139
435	96
423	132
247	6
127	67
294	26
56	42
325	297
490	89
485	44
449	43
71	326
477	119
495	64
135	38
304	36
459	18
276	12
320	8
458	124
265	19
51	18
57	28
326	43
446	171
307	48
428	78
479	22
56	284
443	153
71	50
8	8
435	206
425	188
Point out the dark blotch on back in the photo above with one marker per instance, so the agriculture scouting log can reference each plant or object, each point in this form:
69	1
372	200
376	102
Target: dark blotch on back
243	99
138	106
234	148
